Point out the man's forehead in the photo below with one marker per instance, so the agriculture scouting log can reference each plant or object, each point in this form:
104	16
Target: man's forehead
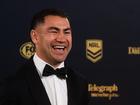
56	21
52	17
53	22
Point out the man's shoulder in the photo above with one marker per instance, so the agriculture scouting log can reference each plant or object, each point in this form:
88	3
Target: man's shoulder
19	76
21	71
27	64
74	74
25	67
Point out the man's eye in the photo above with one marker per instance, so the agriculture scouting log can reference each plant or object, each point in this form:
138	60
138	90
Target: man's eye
53	31
67	32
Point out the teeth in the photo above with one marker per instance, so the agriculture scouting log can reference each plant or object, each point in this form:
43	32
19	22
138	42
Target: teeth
59	46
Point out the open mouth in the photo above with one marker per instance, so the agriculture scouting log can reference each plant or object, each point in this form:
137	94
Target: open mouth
59	47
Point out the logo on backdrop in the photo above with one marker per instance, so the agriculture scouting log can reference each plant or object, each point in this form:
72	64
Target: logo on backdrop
94	49
103	91
27	50
134	50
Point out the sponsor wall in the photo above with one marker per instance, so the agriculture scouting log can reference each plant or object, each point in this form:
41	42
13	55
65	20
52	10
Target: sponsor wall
106	44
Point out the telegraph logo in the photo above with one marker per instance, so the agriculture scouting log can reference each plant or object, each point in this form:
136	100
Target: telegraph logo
94	50
27	50
104	91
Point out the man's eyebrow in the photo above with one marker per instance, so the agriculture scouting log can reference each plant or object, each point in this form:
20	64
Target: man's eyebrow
67	29
53	28
57	29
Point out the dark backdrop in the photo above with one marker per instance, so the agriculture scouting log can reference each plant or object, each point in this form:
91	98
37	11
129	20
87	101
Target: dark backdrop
115	22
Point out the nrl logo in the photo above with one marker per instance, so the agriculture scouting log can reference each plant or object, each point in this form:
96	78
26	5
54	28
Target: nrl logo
94	50
27	50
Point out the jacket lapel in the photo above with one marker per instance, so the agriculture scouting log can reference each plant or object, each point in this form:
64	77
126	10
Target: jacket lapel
72	89
35	85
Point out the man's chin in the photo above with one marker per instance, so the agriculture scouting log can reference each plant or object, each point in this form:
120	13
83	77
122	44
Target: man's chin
60	60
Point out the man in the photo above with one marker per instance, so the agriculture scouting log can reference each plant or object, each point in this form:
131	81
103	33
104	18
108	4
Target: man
45	79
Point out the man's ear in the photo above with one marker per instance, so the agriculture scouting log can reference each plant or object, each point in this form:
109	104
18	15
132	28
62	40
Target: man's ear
33	36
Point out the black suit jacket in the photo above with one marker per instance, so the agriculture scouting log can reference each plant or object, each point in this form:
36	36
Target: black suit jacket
26	88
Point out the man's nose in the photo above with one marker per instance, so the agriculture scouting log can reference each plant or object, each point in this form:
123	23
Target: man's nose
60	37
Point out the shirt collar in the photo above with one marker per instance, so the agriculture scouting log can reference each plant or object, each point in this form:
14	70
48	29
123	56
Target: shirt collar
40	64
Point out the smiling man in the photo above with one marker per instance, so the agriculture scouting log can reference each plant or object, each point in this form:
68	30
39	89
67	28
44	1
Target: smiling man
45	79
52	38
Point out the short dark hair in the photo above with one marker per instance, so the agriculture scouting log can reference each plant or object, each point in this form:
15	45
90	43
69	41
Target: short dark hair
39	17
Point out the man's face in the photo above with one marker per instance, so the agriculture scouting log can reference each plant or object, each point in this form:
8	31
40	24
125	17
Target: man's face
53	39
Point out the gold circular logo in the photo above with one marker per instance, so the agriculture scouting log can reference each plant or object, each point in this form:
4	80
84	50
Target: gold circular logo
27	50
